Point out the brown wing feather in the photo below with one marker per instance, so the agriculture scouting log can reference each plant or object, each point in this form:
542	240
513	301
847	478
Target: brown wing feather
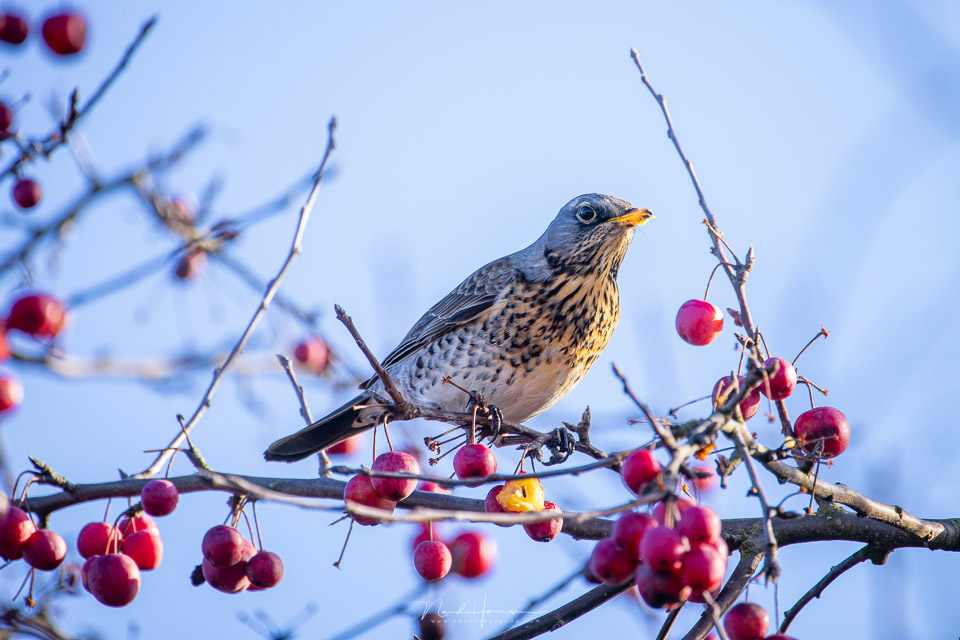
473	296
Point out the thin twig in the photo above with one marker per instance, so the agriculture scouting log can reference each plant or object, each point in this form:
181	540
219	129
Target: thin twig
304	409
402	407
771	568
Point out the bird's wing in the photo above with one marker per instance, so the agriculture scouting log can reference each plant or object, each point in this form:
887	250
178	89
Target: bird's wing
475	295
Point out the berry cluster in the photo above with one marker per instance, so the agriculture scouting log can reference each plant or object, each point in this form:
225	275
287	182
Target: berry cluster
519	496
470	555
232	564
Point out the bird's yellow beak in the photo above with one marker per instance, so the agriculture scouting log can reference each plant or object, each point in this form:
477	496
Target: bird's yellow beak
633	218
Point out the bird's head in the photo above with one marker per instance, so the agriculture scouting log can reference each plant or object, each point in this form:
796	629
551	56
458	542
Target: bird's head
591	234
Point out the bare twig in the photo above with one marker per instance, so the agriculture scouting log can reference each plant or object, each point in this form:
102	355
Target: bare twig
304	409
771	568
664	434
255	320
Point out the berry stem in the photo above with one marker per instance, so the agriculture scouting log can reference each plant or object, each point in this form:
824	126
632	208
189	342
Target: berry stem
256	524
386	433
343	550
823	332
106	512
712	273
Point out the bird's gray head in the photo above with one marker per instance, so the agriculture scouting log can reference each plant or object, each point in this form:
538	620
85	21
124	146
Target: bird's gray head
590	234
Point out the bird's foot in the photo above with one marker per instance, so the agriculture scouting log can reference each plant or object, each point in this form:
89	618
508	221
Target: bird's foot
479	407
561	444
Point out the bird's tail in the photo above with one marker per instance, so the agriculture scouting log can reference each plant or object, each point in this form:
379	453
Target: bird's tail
326	432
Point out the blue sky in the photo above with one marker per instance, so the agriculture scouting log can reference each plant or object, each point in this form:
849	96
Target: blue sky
824	135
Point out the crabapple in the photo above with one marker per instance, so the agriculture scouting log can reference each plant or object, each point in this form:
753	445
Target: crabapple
222	546
638	469
145	547
138	522
662	548
159	497
264	570
746	621
702	568
392	462
682	504
432	560
38	314
11	393
344	447
699	322
65	33
44	550
97	538
474	461
611	563
15	529
781	383
6	117
232	579
473	554
312	354
432	626
113	579
360	490
660	589
27	193
699	524
628	530
546	530
521	495
724	389
13	29
824	426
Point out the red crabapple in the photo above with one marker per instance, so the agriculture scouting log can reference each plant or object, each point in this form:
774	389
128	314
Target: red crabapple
231	579
222	546
432	626
611	563
11	393
113	579
474	461
682	504
724	390
699	322
628	530
395	489
432	487
746	621
27	193
638	469
473	554
37	314
660	589
6	117
360	490
97	539
781	382
546	530
344	447
264	570
65	33
662	548
138	522
312	354
145	547
702	568
824	427
15	528
699	524
432	560
44	550
159	497
13	29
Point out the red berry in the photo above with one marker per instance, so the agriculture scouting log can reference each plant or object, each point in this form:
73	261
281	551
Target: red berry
65	33
13	29
15	528
432	487
231	579
222	546
44	550
823	429
138	522
432	626
474	461
473	554
145	547
159	497
432	560
191	264
703	568
113	579
638	469
706	480
265	570
393	462
27	193
6	117
97	539
546	530
660	510
724	390
701	597
699	524
699	322
11	393
37	314
628	530
360	490
611	563
312	354
85	573
344	447
662	548
4	344
781	382
660	589
746	621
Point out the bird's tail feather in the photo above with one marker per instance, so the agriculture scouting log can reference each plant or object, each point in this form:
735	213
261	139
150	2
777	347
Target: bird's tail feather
326	432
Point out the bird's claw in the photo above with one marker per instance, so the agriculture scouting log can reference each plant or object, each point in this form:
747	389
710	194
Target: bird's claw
477	405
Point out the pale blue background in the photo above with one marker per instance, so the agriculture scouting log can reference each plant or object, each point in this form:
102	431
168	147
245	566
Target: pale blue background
825	135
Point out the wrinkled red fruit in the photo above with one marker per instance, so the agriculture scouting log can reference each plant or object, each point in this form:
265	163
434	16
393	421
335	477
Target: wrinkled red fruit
14	531
662	548
138	522
6	117
547	530
394	462
782	382
474	461
660	589
13	29
660	509
145	547
113	579
746	621
703	568
611	563
346	447
37	314
699	524
638	469
44	550
222	546
159	497
724	390
64	33
231	579
432	626
360	490
97	539
265	570
699	322
27	193
313	355
432	559
473	554
11	393
629	530
824	427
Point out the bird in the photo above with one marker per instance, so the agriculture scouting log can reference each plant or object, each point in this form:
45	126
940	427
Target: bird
520	332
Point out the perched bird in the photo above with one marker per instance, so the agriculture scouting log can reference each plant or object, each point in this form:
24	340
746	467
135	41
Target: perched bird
521	331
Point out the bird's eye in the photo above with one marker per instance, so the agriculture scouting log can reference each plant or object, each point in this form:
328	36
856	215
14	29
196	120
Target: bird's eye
586	215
